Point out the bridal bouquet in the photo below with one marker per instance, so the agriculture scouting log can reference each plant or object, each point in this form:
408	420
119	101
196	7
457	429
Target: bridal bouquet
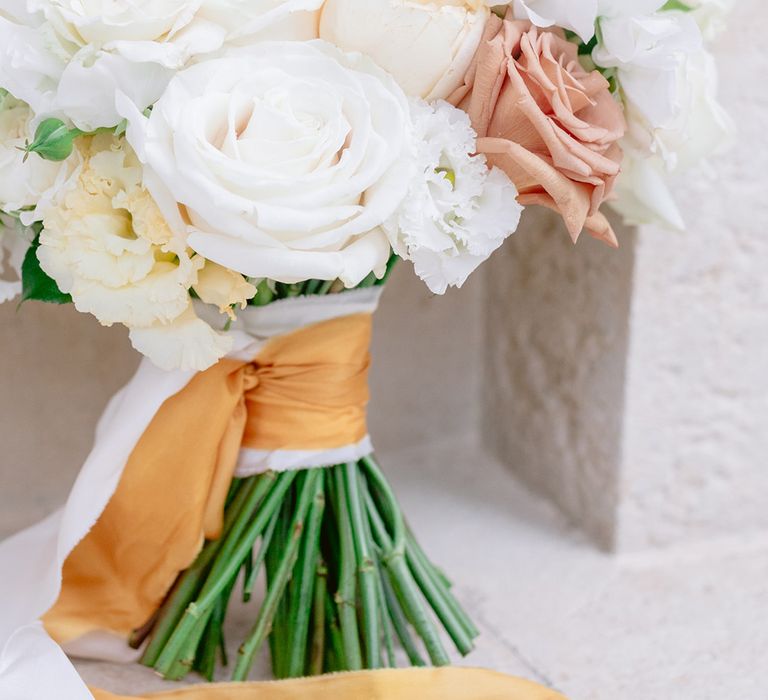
233	181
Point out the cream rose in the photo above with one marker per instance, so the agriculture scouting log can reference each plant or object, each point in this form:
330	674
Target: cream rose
24	179
280	161
71	57
426	45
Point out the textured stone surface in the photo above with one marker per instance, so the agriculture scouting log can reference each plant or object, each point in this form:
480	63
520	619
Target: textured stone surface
557	333
631	387
696	421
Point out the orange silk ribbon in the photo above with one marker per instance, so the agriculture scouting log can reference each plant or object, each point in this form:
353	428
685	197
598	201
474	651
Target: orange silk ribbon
306	390
408	684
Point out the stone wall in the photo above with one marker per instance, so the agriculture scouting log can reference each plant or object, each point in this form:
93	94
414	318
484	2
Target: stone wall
632	387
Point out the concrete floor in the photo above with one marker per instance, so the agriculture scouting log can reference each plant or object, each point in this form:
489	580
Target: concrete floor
675	625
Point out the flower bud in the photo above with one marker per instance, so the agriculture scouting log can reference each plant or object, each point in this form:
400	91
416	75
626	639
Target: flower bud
54	140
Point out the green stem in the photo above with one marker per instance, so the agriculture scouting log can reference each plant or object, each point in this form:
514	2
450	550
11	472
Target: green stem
336	649
406	589
414	550
366	567
318	621
400	623
182	665
191	581
277	587
237	544
300	609
346	597
325	287
436	596
392	506
266	539
386	624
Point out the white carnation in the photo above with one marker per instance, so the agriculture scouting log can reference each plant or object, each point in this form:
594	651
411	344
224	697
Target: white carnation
457	211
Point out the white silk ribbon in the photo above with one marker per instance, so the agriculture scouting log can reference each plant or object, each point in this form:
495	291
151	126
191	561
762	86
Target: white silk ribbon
32	665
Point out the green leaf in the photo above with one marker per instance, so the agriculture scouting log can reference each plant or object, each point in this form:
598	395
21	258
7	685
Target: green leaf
54	140
677	5
35	284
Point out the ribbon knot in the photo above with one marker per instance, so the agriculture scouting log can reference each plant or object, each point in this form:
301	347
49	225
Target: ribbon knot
304	391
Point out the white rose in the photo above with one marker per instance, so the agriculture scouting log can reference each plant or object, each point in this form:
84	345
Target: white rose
25	178
105	242
457	212
426	46
280	161
71	57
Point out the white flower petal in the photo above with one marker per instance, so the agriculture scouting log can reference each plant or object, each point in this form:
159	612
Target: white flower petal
457	212
284	157
188	343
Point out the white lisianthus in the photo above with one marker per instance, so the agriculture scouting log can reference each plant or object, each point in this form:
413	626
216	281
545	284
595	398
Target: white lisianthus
427	46
577	15
457	211
71	57
105	242
668	83
23	178
650	55
642	194
280	161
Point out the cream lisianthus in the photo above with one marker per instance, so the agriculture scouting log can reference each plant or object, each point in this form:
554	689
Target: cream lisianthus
280	161
105	242
23	180
71	57
224	288
457	212
427	45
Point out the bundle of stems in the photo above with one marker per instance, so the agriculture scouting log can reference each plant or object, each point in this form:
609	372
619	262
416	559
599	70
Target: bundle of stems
347	585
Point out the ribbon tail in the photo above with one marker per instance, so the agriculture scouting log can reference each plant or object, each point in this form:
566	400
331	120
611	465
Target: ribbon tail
404	684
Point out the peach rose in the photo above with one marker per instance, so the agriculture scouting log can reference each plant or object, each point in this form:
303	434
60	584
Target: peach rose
551	125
